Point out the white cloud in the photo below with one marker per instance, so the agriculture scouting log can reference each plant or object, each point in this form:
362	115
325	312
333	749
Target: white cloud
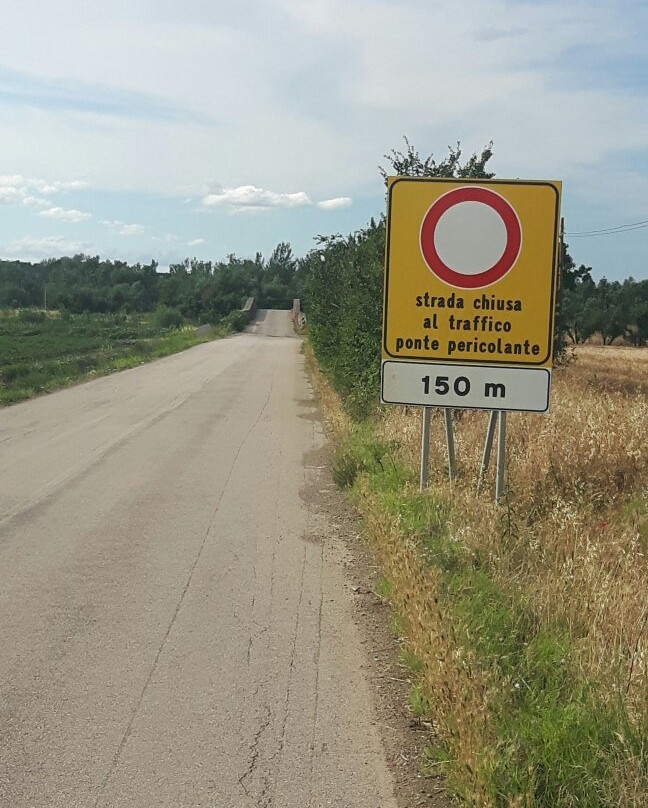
250	199
253	198
41	185
9	195
45	187
489	34
122	228
131	230
65	215
336	203
195	242
11	180
35	201
15	189
31	248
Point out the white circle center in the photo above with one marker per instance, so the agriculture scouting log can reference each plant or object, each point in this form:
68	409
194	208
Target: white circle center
470	237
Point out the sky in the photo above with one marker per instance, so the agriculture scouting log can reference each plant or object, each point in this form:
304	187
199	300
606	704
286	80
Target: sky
154	129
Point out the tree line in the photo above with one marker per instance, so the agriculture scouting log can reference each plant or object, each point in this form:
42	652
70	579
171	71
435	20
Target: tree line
610	309
197	290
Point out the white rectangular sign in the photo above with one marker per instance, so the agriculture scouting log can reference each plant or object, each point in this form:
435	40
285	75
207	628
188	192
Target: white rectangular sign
465	387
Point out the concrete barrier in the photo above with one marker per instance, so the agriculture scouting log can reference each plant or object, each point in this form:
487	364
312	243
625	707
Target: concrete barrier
297	315
250	309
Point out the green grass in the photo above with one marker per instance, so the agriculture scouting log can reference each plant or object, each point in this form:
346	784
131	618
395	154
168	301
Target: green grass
42	352
359	454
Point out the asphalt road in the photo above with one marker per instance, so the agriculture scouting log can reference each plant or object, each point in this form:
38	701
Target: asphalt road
175	629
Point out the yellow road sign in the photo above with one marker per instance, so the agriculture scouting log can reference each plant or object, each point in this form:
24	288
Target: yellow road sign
470	271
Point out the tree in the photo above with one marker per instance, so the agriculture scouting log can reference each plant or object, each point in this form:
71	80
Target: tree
611	320
278	286
344	286
410	164
573	315
641	313
634	300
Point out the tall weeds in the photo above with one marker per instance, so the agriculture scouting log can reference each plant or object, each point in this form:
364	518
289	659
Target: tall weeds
529	620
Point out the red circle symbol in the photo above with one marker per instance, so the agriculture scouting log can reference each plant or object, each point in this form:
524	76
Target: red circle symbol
504	215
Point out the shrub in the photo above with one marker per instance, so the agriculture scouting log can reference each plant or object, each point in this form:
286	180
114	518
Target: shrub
235	321
344	289
31	316
167	317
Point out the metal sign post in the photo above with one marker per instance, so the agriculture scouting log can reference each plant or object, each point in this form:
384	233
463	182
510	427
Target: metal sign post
488	446
501	457
425	448
447	417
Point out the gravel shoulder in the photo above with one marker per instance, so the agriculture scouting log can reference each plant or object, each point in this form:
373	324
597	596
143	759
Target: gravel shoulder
402	735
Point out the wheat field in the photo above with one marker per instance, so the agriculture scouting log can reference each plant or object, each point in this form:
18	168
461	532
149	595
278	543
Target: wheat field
578	480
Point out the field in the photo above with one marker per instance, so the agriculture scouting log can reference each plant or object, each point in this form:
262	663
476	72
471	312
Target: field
41	352
525	625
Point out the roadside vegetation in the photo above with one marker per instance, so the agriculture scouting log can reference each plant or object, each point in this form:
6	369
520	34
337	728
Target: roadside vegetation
69	319
524	624
40	352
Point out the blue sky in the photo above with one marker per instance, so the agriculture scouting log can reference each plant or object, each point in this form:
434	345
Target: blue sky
143	129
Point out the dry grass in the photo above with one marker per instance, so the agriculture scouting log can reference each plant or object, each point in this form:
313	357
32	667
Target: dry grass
570	544
579	485
449	673
573	541
610	367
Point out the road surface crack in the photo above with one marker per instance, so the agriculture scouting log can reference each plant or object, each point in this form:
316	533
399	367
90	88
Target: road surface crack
278	753
140	700
262	800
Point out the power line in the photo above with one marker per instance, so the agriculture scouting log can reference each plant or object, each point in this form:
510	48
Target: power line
607	231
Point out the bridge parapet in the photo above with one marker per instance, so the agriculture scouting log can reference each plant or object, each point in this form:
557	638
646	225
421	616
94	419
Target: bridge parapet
297	315
250	309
